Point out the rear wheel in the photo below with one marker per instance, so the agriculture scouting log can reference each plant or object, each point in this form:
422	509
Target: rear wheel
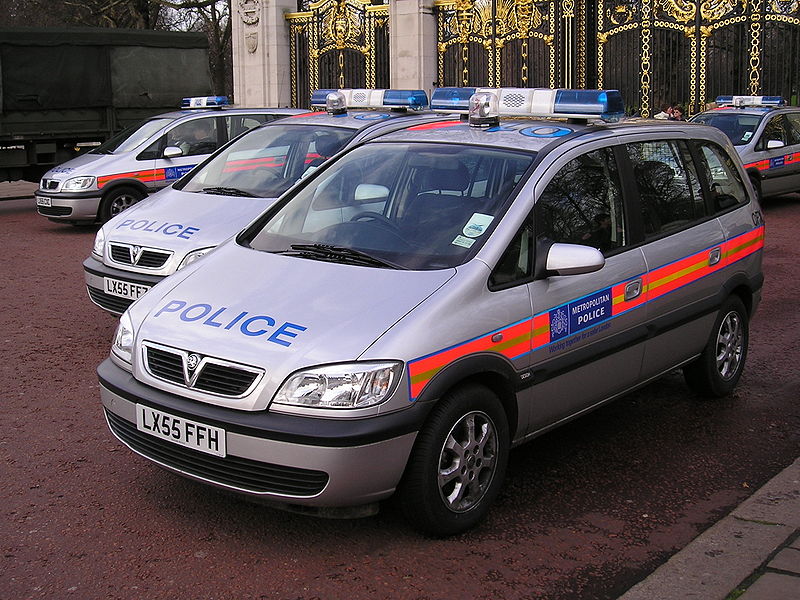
716	372
117	200
458	463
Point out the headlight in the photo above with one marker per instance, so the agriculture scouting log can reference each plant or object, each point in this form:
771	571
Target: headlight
194	256
99	244
77	183
353	385
123	340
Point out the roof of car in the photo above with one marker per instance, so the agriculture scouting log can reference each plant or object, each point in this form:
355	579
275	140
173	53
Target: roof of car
355	119
180	114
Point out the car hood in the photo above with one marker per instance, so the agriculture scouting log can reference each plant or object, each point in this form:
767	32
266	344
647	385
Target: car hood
276	313
183	221
85	164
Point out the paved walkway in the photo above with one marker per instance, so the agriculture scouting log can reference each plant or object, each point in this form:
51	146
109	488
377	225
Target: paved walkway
14	190
752	554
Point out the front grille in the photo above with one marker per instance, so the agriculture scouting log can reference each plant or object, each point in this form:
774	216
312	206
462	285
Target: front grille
213	375
55	211
114	304
50	184
150	258
232	471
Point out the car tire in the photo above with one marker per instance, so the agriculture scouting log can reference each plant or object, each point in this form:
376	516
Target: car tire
718	369
458	463
117	200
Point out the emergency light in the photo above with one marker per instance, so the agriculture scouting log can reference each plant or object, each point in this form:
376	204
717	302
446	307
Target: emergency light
338	101
529	102
204	101
750	101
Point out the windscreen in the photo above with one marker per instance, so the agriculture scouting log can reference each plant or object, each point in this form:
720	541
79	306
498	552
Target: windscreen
413	206
266	161
132	137
739	127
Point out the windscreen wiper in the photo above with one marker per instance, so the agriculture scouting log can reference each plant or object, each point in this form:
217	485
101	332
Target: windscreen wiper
229	191
338	254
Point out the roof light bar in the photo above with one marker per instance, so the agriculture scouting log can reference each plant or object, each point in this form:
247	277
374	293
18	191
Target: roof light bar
750	101
204	101
537	102
363	98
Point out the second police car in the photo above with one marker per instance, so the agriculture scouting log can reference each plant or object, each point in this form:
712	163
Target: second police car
401	319
143	159
153	239
766	134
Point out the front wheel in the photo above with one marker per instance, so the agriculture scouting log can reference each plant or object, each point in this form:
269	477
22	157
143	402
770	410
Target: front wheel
718	369
118	200
458	463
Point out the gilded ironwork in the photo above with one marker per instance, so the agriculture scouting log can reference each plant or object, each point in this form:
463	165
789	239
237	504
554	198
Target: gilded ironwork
342	34
487	28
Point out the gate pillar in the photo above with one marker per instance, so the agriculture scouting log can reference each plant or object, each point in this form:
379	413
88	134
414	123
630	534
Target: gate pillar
413	58
260	36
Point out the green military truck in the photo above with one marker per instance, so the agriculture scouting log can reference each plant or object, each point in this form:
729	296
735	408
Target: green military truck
65	91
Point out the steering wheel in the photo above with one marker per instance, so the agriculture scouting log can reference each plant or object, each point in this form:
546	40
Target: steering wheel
374	216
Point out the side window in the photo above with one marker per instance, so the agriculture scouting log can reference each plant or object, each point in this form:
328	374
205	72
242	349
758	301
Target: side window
237	124
776	130
723	179
582	204
668	198
516	265
794	128
195	137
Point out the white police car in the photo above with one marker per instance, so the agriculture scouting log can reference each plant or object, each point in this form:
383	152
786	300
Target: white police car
144	158
398	321
766	134
137	249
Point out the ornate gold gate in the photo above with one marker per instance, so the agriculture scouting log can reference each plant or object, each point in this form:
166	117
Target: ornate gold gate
338	44
522	43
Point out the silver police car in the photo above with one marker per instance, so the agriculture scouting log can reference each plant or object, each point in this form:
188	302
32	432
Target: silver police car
144	158
766	134
173	228
400	320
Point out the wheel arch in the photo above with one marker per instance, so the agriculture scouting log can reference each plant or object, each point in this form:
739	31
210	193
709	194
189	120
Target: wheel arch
114	185
491	370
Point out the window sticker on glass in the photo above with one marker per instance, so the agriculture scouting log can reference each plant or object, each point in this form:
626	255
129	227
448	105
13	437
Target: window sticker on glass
477	225
462	241
747	135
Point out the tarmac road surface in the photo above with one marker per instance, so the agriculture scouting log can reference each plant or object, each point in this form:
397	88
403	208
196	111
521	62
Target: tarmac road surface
586	512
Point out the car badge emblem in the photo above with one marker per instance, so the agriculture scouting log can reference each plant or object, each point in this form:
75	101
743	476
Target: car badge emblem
137	253
192	361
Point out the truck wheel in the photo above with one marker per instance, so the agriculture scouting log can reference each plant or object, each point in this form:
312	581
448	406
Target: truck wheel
716	372
118	200
457	466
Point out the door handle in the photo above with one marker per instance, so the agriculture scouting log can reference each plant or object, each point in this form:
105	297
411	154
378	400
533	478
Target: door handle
714	256
633	289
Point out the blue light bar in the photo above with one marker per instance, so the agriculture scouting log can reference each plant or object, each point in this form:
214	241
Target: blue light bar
415	99
605	104
750	101
318	97
204	101
452	99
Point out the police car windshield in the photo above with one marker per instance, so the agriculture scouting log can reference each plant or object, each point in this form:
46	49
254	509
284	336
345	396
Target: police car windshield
132	138
738	126
266	161
417	206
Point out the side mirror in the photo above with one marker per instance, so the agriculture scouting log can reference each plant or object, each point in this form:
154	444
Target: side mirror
775	144
172	152
369	191
572	259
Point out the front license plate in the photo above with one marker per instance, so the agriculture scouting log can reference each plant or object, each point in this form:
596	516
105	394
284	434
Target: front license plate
178	430
42	201
124	289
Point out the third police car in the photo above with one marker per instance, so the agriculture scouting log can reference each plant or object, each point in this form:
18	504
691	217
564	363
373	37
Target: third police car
401	319
766	134
147	242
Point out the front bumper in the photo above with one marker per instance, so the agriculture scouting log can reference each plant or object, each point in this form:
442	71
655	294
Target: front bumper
287	459
95	273
77	206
